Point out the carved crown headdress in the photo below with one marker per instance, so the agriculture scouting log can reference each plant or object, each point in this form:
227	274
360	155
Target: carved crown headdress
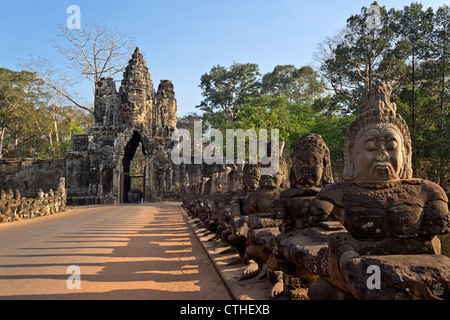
377	111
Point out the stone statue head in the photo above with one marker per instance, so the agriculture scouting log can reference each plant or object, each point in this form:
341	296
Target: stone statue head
61	184
251	176
231	179
277	180
219	182
311	164
377	143
224	181
204	180
280	178
238	178
214	183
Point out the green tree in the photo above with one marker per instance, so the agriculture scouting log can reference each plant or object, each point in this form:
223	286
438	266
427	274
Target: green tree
414	26
296	84
266	112
226	89
34	120
441	54
352	59
436	85
20	91
332	128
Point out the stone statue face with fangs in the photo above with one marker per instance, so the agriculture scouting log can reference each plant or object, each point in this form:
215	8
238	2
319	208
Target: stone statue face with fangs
379	198
251	176
391	219
377	143
311	164
380	155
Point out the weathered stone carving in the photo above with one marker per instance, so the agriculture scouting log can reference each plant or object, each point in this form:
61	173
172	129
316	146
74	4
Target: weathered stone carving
61	193
311	164
262	229
303	229
106	103
236	228
322	236
98	164
219	200
386	212
225	180
15	207
9	195
221	213
166	108
238	178
137	95
311	170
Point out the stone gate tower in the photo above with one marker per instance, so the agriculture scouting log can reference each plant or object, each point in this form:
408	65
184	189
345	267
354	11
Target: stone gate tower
98	163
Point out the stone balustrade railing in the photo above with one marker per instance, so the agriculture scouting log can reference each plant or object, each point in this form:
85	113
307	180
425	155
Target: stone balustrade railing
14	207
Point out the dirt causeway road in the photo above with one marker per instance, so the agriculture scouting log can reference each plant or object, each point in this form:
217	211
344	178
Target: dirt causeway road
136	251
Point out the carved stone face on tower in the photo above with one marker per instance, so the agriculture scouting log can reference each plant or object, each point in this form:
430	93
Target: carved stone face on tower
106	103
377	142
166	105
136	105
137	94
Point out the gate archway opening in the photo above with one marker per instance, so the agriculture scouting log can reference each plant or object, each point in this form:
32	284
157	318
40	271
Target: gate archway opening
132	178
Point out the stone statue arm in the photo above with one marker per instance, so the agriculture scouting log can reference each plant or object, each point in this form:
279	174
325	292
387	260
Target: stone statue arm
333	193
279	210
417	245
348	270
436	218
252	205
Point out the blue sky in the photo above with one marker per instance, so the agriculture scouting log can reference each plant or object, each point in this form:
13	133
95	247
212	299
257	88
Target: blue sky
183	39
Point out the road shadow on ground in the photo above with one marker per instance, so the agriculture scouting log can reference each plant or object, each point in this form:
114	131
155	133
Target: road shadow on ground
143	251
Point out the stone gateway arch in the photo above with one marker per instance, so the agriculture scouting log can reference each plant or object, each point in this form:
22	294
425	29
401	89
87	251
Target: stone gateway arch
133	119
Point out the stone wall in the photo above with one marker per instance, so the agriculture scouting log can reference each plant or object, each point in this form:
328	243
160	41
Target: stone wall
30	175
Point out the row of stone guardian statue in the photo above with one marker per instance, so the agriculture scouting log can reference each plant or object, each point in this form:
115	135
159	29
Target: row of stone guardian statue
15	207
370	236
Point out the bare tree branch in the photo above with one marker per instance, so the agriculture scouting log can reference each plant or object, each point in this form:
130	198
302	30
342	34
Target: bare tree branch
44	71
96	51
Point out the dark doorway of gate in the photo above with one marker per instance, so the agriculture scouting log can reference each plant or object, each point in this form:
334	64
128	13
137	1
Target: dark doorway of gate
133	187
132	178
